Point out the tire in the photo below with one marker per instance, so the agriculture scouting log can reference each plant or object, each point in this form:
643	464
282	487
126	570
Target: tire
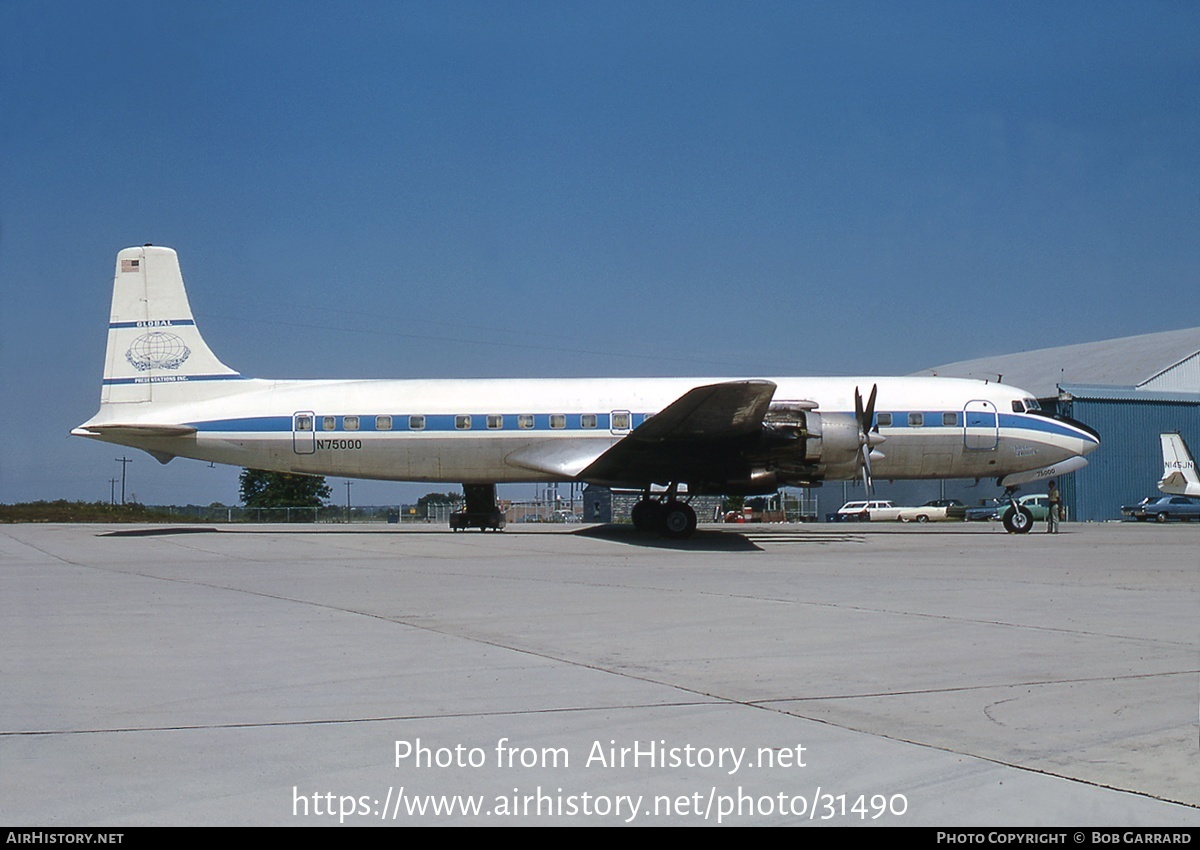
922	519
1019	521
1161	517
678	521
645	515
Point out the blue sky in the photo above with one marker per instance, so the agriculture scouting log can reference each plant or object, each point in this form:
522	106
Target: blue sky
404	189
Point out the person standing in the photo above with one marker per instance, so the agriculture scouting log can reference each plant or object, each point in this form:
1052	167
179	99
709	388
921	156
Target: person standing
1052	516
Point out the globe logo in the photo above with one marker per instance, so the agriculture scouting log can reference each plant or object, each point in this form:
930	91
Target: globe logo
157	350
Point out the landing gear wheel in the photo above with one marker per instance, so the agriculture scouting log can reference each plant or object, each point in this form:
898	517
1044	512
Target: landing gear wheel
678	520
645	515
1018	521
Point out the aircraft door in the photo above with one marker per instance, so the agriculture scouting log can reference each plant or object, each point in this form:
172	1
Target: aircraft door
304	436
981	425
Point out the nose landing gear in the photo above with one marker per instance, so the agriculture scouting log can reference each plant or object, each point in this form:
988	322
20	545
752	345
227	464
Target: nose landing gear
1017	519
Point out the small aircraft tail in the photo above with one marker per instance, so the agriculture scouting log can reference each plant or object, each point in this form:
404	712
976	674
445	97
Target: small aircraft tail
1179	469
155	351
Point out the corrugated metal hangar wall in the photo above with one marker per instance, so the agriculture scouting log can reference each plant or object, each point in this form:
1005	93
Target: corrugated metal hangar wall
1128	464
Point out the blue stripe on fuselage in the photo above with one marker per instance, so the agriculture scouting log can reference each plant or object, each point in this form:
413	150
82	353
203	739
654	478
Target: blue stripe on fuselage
1044	425
445	423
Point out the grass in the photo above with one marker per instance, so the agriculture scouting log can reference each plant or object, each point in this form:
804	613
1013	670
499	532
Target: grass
64	511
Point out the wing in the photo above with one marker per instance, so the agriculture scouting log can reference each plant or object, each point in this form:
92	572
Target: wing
699	437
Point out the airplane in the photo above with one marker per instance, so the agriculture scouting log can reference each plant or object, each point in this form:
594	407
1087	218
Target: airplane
164	391
1179	469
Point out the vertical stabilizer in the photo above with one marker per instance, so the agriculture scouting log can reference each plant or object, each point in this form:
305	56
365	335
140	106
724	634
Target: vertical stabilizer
155	351
1179	468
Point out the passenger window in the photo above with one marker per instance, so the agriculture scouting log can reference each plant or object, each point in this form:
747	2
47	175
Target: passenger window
525	421
620	420
558	420
350	423
329	423
916	420
383	423
462	423
417	423
587	420
883	420
495	421
950	419
303	423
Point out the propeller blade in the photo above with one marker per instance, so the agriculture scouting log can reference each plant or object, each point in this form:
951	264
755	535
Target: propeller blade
865	417
869	414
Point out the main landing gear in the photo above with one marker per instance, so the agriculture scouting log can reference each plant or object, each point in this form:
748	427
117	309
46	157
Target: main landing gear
481	510
668	516
1017	519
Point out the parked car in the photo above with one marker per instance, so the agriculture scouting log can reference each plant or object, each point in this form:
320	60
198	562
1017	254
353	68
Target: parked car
935	510
984	511
1038	504
1163	508
872	510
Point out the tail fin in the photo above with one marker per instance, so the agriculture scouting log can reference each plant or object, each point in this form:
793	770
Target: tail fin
1179	469
155	351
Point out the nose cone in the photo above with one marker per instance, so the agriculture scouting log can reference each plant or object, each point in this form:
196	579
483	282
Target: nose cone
1082	439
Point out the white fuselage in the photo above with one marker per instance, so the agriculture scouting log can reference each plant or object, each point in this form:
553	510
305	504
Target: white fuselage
513	430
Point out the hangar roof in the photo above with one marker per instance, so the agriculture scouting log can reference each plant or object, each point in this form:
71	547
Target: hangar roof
1167	361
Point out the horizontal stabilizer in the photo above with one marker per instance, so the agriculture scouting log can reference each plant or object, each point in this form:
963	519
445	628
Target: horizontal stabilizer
1173	481
117	430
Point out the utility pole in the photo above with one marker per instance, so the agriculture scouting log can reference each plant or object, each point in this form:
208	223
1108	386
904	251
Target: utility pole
112	491
123	461
348	483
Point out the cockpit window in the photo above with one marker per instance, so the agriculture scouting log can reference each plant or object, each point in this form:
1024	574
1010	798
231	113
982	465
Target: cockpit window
1018	407
1032	404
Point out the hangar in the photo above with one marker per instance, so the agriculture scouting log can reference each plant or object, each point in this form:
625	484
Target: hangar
1129	389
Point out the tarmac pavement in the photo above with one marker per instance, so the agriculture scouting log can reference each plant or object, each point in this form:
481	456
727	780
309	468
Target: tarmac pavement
939	675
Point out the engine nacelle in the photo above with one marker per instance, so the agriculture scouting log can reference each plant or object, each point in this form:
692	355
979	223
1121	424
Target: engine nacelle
810	444
836	444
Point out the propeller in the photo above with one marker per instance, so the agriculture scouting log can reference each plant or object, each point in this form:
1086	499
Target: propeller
866	439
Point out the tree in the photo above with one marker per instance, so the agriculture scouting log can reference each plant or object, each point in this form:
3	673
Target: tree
262	489
428	499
